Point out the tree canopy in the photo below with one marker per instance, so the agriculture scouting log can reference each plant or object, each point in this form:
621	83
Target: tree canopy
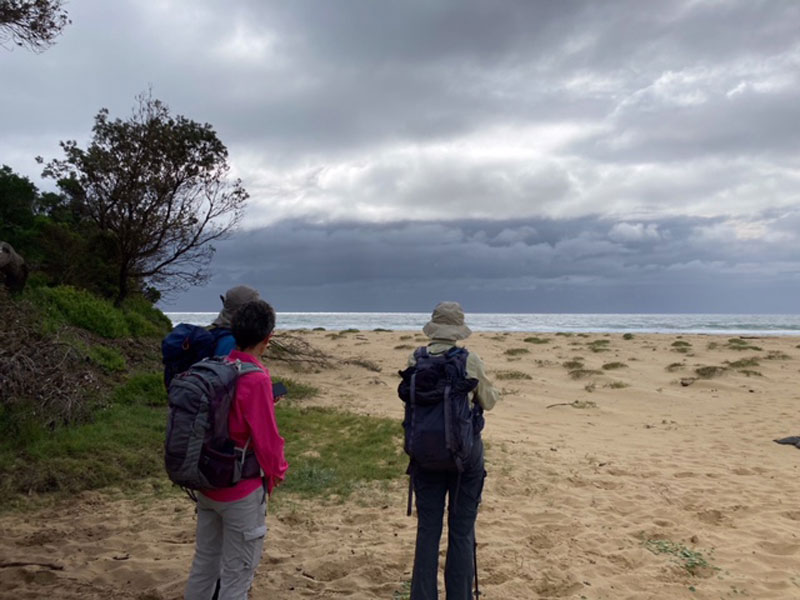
158	186
33	24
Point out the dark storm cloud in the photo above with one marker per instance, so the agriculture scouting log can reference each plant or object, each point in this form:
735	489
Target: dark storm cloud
536	265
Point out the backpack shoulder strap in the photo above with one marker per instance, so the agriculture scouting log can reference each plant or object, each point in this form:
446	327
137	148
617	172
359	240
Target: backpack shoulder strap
421	352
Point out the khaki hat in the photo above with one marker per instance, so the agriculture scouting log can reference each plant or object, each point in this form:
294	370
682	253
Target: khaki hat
233	299
447	323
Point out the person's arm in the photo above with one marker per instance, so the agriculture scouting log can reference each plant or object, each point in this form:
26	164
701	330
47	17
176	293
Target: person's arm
485	394
258	408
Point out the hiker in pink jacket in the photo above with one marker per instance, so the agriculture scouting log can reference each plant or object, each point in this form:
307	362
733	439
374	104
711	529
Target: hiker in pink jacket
231	522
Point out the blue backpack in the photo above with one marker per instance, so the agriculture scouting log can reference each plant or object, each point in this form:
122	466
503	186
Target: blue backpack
440	424
187	344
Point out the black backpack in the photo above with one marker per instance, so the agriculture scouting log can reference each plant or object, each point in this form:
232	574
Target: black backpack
187	344
198	451
440	425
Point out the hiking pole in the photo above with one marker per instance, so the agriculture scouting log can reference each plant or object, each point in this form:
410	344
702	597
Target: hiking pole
475	563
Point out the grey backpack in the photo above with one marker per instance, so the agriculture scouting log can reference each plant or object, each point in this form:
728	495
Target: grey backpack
198	451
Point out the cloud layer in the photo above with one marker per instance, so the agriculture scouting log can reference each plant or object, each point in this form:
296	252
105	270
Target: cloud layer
624	142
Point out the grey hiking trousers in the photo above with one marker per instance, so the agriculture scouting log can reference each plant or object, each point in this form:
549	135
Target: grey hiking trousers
230	537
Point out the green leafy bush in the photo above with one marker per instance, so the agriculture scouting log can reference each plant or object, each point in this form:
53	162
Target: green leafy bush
143	389
71	306
108	359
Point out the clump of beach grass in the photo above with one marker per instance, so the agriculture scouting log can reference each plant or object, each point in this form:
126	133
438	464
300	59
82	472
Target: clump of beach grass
627	336
516	351
777	355
751	372
404	347
598	345
743	363
616	385
708	372
675	366
681	346
536	340
504	375
741	345
370	365
575	363
581	373
610	366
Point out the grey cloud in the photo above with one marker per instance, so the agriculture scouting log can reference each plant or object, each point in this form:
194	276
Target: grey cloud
511	265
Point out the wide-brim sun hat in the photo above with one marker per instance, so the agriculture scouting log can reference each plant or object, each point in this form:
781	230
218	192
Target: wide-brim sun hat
233	299
447	323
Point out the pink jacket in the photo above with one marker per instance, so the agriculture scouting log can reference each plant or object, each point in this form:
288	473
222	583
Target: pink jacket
252	417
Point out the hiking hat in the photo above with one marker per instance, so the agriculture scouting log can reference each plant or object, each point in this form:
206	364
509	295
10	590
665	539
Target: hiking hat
233	299
447	323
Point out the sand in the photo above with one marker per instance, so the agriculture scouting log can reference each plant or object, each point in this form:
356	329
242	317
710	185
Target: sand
594	489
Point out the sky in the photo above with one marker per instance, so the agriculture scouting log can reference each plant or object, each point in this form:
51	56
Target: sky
530	156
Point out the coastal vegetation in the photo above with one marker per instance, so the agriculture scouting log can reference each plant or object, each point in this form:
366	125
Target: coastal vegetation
82	399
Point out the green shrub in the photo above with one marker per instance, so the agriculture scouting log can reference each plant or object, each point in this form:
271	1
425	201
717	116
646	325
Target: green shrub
144	319
71	306
143	389
536	340
627	336
109	359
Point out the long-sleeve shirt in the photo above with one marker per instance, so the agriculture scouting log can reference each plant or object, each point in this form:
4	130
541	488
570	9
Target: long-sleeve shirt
484	394
252	417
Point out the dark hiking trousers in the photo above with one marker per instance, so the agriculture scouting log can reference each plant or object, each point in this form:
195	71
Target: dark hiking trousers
430	488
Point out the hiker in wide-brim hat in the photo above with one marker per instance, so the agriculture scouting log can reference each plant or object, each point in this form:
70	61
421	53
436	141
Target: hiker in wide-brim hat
233	299
471	392
447	323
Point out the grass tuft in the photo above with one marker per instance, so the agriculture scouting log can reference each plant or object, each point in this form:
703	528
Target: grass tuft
503	375
516	351
709	372
610	366
332	453
581	373
536	340
691	560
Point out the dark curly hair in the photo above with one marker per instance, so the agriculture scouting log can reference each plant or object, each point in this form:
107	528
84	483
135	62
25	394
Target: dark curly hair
251	323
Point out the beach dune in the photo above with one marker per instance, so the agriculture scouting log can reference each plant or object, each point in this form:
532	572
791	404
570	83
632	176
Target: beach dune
640	468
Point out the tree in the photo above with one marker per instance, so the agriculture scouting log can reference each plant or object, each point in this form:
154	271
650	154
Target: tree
32	23
159	186
17	204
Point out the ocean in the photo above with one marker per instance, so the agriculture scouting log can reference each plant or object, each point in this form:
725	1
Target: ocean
541	323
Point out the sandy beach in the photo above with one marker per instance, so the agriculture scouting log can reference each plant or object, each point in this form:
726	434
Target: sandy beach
628	477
